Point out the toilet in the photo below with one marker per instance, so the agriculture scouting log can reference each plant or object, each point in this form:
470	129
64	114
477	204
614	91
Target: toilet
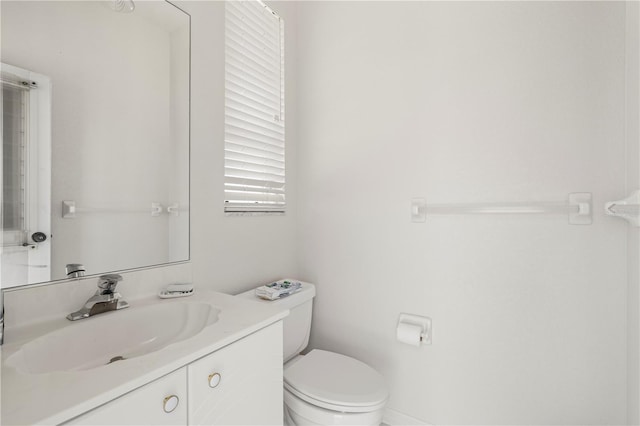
322	387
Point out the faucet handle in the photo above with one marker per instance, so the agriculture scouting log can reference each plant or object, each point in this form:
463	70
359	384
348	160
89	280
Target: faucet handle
109	282
75	270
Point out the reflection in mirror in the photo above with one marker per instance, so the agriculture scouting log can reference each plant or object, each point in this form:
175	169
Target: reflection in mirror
26	176
95	154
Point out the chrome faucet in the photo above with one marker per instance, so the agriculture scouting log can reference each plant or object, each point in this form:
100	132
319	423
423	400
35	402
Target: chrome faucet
106	299
74	270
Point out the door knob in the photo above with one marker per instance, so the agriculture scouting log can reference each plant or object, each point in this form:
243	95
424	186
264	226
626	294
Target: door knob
39	237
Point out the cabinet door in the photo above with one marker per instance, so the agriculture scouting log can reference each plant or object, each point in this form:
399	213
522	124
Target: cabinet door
240	384
161	402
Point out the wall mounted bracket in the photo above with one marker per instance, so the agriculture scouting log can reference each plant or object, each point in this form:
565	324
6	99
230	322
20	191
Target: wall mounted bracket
422	323
628	208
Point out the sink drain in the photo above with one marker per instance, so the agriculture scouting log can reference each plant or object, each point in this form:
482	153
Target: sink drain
115	358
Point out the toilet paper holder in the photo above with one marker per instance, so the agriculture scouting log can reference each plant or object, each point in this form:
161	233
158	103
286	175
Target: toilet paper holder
416	320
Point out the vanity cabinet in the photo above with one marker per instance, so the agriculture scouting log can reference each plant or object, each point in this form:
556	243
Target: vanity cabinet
240	384
161	402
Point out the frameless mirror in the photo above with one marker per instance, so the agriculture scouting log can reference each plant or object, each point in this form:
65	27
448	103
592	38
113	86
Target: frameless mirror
95	128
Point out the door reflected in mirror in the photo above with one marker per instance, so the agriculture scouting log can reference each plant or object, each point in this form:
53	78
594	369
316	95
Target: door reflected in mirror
95	157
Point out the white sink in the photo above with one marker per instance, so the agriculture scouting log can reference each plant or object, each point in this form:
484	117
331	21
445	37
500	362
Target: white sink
113	336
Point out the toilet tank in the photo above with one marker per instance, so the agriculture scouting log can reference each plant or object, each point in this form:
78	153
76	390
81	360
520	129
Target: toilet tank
296	326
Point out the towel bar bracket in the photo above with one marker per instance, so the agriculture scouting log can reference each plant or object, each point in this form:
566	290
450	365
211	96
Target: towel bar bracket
583	214
628	208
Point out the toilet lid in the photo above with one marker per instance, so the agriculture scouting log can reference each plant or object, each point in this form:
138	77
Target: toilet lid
337	380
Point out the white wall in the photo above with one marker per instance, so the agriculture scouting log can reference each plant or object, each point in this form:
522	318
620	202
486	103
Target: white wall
633	183
233	253
468	102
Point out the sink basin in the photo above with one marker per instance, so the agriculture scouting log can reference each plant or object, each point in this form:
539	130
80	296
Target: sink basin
113	336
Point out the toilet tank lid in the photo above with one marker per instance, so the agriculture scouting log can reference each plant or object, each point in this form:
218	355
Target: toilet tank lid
307	292
328	377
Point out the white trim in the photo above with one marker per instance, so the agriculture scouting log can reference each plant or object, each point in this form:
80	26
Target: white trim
396	418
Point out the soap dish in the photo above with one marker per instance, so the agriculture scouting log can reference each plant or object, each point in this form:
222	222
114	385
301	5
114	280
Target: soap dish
176	290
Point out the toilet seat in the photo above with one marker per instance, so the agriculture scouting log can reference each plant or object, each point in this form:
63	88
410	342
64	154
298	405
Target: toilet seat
336	382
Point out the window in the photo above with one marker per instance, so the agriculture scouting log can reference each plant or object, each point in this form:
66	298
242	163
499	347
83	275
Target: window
254	109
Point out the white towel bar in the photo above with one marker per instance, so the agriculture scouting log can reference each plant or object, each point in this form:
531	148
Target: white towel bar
578	208
70	209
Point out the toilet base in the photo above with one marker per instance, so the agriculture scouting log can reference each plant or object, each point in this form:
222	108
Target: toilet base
299	412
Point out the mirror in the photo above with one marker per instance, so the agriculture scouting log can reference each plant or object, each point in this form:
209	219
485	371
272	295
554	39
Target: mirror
95	158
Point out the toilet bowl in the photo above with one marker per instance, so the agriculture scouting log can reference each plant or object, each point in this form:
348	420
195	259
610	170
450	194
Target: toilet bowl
323	387
326	388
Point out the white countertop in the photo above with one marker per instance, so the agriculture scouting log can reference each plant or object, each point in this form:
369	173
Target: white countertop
52	398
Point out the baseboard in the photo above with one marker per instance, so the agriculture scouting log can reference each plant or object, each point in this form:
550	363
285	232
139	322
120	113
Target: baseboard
396	418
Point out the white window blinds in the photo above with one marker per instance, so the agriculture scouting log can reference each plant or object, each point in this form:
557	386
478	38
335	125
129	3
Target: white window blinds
254	109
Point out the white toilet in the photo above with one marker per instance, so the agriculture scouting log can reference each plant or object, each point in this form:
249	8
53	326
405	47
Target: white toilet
323	388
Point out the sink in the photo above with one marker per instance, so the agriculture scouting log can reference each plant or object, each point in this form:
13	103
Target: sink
112	337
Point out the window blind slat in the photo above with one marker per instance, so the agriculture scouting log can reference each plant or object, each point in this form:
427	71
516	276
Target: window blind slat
246	71
252	132
246	91
262	208
235	107
248	14
249	164
259	13
236	35
251	196
253	167
245	45
248	174
241	17
267	151
237	193
254	122
243	51
253	159
235	182
247	94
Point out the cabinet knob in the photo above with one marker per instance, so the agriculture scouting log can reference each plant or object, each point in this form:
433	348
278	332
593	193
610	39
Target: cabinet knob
170	403
214	379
